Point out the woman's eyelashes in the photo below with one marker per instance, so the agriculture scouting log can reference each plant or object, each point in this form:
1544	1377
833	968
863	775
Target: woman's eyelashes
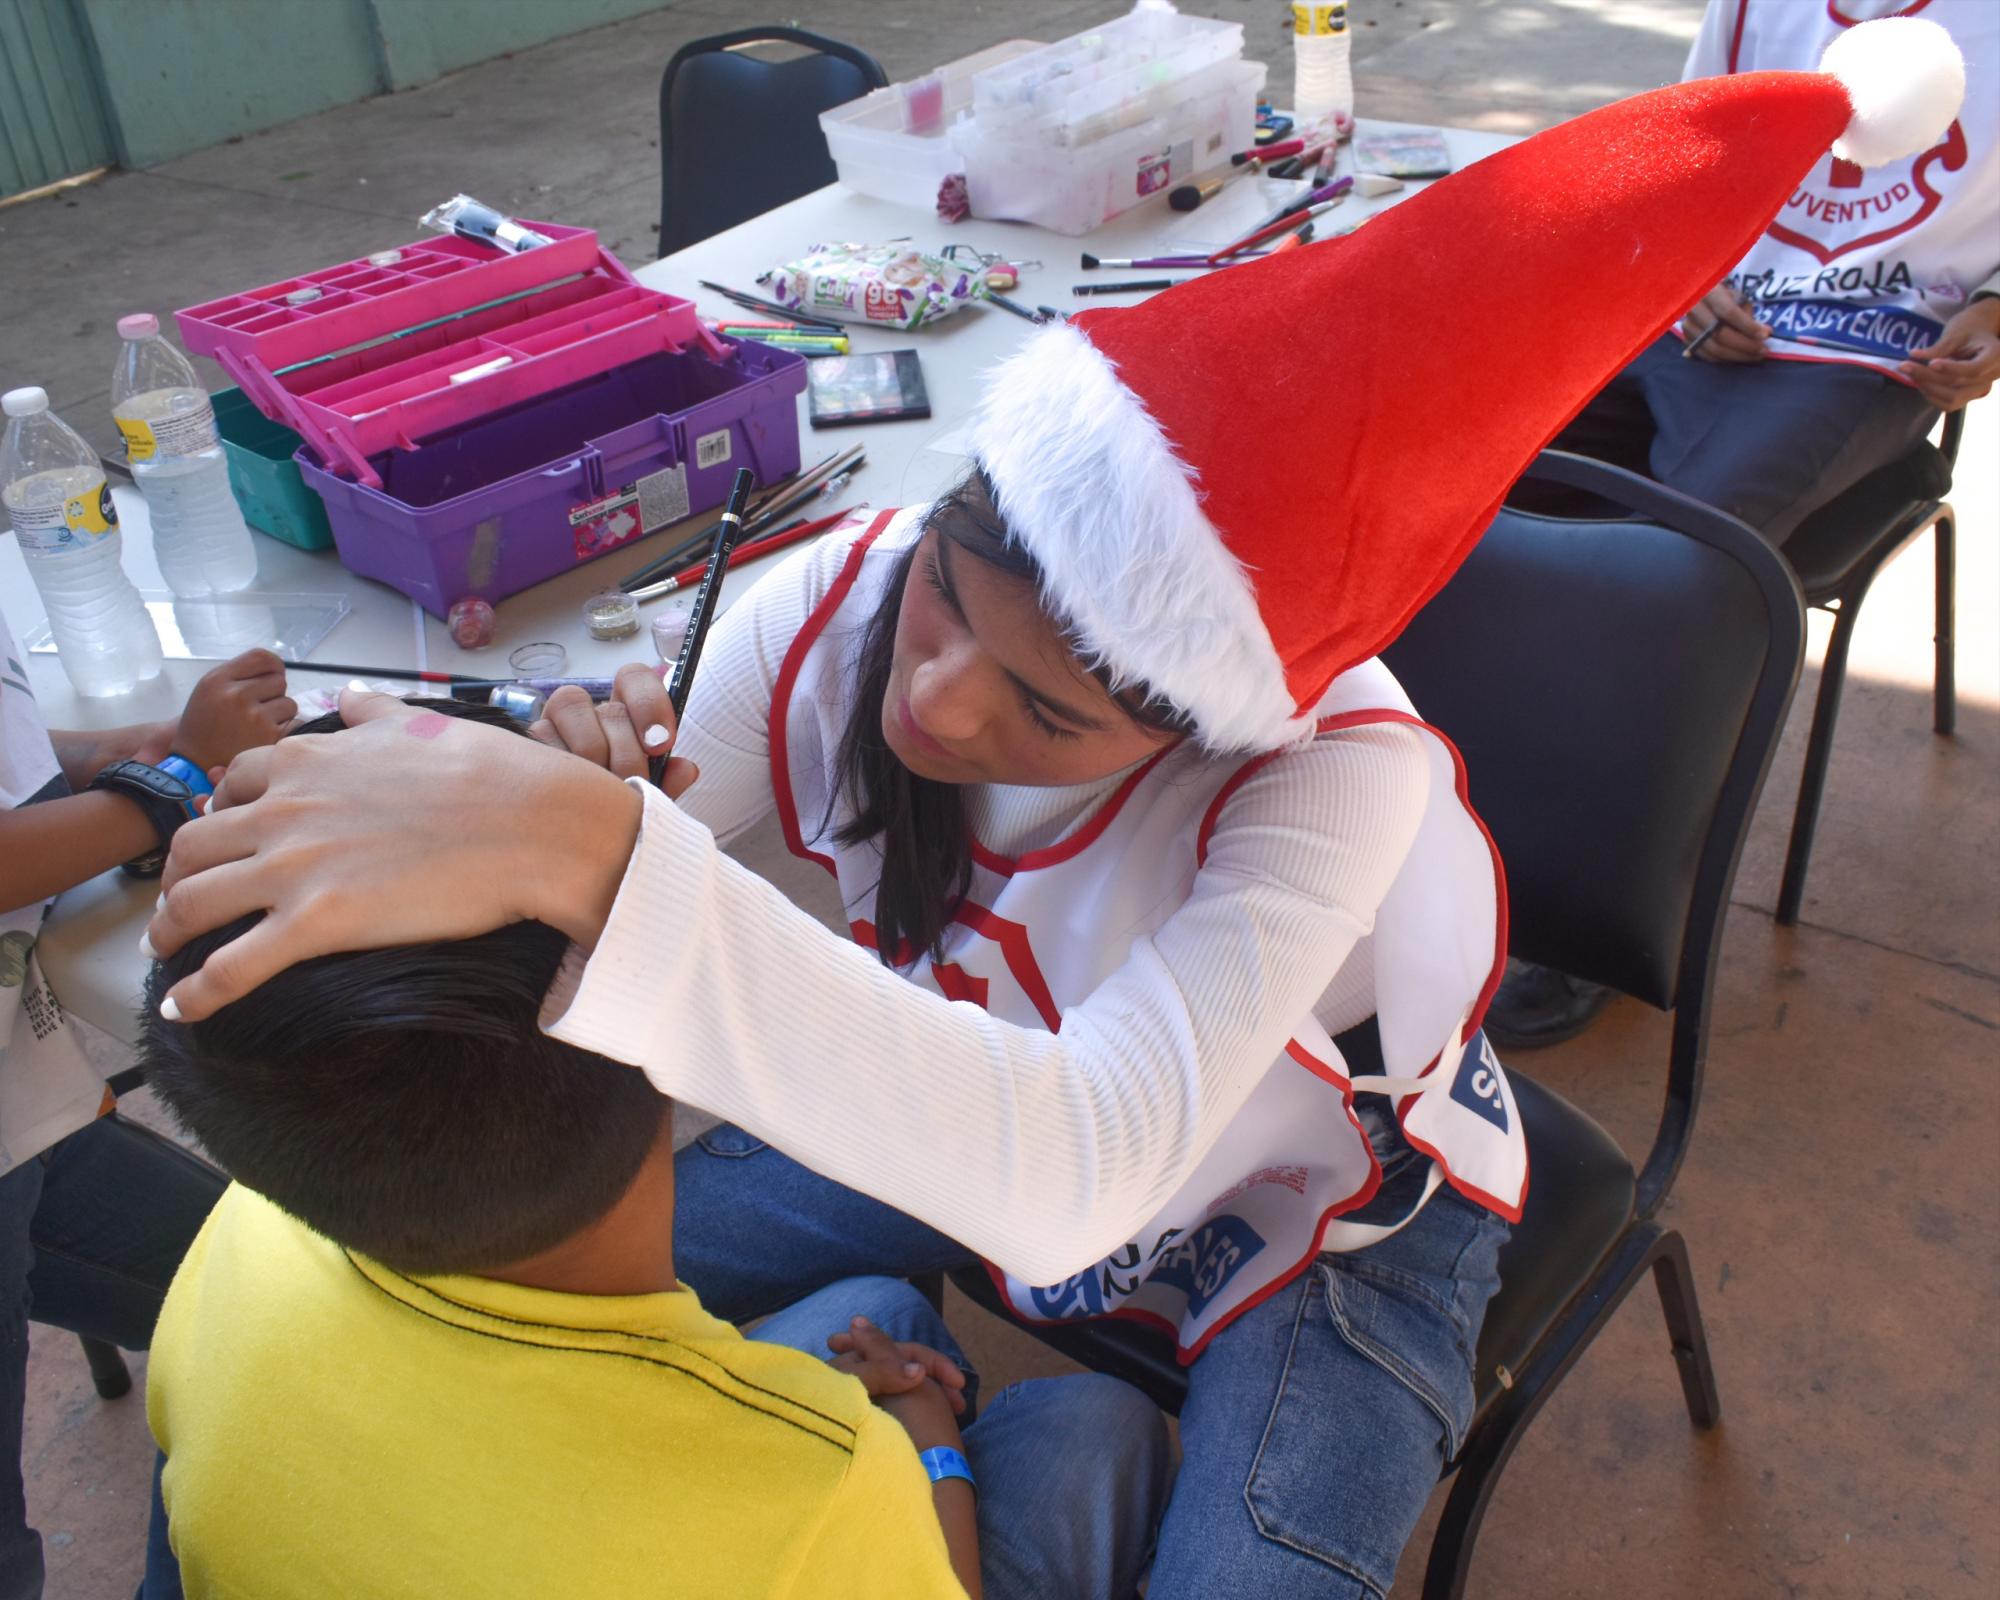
934	575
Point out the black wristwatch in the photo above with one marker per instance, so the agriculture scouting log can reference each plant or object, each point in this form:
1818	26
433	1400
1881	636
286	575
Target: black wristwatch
167	800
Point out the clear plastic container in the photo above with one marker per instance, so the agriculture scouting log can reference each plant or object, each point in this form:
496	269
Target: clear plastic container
1095	84
1323	75
889	144
1074	188
61	510
199	536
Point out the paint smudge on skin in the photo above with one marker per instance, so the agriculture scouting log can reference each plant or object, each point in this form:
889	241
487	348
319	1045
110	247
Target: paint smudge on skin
427	726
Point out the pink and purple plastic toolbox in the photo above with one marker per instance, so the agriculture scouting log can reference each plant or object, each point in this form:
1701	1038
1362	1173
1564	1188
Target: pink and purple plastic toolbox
423	379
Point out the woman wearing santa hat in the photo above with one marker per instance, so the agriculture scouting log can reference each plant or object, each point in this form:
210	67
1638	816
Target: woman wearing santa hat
1128	823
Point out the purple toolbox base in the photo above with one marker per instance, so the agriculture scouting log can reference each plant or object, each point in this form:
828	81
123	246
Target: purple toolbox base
459	515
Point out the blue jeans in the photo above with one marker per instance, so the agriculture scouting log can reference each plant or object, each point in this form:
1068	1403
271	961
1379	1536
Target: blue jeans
1315	1426
1072	1472
91	1231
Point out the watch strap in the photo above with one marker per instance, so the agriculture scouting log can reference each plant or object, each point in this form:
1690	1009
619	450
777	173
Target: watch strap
942	1462
166	799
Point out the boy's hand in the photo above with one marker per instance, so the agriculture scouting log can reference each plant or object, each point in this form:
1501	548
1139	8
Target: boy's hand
236	707
915	1384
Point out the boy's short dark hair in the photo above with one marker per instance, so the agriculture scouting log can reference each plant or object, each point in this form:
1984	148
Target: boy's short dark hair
404	1102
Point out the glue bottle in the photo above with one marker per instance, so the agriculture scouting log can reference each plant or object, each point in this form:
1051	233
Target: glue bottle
1323	87
56	499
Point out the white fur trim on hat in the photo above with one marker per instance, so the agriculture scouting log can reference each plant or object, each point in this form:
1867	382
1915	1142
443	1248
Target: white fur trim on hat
1088	485
1905	80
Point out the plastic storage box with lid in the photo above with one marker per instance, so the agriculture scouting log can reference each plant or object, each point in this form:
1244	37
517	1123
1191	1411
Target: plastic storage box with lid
605	460
1071	135
400	371
897	143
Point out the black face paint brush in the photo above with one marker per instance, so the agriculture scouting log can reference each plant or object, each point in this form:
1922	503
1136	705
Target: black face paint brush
705	602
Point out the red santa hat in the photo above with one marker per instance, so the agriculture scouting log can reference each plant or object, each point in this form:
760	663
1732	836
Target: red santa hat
1247	485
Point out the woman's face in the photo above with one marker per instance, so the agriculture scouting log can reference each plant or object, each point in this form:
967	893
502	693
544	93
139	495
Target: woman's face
984	688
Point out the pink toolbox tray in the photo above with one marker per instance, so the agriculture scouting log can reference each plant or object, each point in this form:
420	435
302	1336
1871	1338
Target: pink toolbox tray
454	330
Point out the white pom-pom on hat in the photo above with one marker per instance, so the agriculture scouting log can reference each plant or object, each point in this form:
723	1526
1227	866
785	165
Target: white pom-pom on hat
1905	80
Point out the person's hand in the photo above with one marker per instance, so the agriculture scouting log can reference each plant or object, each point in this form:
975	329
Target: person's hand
407	827
637	722
1741	338
918	1386
894	1366
1964	363
236	707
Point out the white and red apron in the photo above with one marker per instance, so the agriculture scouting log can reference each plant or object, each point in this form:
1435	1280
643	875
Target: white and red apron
1037	935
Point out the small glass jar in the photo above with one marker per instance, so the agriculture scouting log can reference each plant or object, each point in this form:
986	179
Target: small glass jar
542	659
613	614
471	622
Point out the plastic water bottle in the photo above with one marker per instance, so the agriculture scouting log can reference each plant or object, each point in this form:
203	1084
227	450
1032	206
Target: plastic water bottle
56	498
1323	85
199	536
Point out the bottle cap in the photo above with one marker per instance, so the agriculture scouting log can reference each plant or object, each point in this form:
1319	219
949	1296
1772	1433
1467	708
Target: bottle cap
24	402
140	325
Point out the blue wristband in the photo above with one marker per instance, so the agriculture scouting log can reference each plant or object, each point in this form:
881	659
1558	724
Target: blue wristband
941	1462
189	774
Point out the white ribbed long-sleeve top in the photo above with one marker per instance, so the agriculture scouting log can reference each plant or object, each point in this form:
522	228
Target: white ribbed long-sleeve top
1041	1151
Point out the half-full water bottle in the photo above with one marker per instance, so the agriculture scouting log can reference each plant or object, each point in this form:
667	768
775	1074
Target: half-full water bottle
199	536
56	498
1324	84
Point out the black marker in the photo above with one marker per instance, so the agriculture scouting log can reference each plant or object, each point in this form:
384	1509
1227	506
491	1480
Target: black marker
727	532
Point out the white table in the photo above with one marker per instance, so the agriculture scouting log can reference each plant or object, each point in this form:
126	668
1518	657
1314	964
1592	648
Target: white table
91	947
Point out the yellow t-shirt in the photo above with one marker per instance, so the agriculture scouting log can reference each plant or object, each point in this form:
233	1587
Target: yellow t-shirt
335	1428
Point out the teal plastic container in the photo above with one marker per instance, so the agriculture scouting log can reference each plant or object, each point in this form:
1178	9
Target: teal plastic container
265	479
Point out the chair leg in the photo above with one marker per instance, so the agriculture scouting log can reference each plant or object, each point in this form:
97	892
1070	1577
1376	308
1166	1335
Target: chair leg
107	1368
1819	746
1944	690
1496	1434
1675	1281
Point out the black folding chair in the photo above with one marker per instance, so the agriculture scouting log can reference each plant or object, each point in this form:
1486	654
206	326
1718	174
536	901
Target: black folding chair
108	1373
1836	552
1617	689
739	135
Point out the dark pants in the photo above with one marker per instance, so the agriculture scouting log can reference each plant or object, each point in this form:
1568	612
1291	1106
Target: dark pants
91	1232
1769	443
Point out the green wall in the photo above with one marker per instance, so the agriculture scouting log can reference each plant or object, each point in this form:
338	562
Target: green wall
176	75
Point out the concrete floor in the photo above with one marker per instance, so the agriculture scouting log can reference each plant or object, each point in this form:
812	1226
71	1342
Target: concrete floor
1839	1198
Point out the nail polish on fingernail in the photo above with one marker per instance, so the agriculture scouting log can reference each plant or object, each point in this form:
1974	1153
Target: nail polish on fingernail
170	1009
160	904
146	947
656	736
912	1368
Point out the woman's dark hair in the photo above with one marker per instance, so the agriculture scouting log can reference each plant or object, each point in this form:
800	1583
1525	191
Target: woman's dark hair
920	823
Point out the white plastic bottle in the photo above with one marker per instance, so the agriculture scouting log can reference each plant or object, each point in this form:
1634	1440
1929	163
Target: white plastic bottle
199	536
55	495
1324	83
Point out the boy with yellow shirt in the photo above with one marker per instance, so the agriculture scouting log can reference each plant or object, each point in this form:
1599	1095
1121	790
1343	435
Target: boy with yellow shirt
430	1343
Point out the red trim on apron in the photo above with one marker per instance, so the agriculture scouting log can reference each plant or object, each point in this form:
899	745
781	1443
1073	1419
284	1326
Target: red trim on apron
788	677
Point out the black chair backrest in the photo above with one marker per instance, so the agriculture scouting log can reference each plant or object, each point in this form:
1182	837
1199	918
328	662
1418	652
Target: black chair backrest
739	135
1600	679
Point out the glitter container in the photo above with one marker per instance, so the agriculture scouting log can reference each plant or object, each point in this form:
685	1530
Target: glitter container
611	615
385	258
542	659
670	628
303	297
